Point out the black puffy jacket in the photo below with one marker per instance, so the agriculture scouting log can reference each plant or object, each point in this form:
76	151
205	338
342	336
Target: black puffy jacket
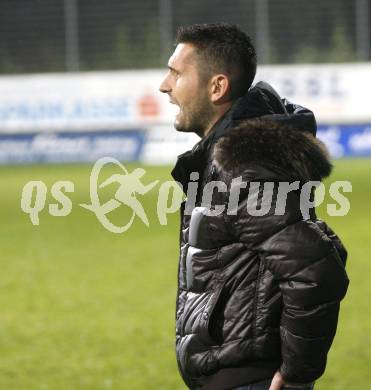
256	293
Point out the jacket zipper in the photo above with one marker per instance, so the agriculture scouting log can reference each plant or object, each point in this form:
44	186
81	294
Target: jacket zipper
255	307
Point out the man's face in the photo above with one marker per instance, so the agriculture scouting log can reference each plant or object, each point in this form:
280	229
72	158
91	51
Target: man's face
188	90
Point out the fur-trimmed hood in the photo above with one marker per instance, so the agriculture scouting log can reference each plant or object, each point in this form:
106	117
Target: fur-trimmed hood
260	101
264	141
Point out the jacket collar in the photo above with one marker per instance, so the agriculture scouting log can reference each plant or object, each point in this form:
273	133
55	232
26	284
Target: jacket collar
196	160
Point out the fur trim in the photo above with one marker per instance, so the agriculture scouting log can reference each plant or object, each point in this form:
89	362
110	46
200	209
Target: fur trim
263	140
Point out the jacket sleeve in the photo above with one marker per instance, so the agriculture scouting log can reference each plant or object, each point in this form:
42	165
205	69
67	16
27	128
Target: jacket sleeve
307	260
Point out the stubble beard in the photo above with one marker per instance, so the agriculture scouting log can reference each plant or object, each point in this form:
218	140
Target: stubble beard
196	118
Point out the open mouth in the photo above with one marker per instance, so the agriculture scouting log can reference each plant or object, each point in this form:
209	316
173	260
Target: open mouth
177	106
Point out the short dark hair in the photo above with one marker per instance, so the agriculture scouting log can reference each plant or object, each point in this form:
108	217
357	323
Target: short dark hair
223	48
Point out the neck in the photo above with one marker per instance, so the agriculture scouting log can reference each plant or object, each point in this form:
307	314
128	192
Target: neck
220	112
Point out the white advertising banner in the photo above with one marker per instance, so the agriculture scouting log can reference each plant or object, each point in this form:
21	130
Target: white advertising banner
338	94
82	101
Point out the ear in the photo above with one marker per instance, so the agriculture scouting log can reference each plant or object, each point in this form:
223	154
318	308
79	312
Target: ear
219	88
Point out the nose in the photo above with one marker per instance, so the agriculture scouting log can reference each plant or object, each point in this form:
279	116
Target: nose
165	86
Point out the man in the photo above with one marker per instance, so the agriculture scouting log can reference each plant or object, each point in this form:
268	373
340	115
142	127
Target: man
258	293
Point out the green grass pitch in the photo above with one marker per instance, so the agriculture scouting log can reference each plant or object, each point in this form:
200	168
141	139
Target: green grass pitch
83	308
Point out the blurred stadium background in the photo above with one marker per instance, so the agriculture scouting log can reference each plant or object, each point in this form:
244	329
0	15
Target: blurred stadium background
83	308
